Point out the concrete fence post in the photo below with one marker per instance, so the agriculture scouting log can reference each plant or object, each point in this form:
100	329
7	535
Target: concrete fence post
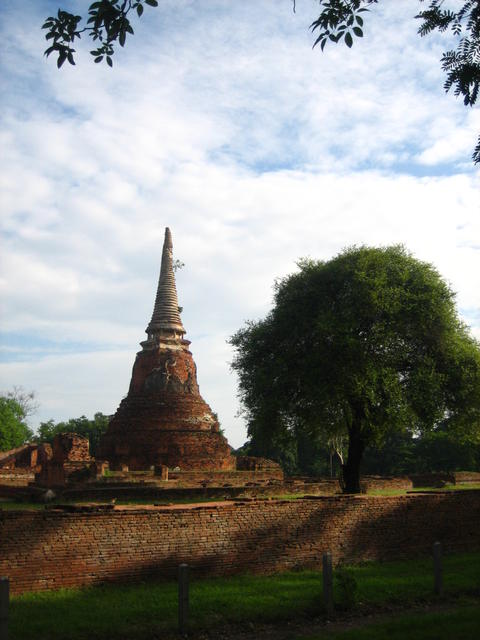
4	602
327	582
182	598
437	568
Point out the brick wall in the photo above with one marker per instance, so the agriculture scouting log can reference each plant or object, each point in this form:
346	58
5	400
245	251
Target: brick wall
16	477
466	476
52	549
217	478
383	482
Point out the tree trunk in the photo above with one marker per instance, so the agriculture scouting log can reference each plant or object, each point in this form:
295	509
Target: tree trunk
351	470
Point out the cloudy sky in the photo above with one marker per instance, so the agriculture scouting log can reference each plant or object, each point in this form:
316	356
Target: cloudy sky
219	121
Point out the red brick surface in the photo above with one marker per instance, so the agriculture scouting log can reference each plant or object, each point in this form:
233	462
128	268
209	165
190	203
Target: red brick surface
254	463
70	447
28	456
52	549
164	419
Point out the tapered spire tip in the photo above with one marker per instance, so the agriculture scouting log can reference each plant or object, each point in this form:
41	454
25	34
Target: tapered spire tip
166	316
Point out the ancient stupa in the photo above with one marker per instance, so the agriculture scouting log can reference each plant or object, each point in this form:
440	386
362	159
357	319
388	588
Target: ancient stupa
164	419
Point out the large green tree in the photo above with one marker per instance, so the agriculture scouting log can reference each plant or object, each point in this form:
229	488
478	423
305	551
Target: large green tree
364	344
110	22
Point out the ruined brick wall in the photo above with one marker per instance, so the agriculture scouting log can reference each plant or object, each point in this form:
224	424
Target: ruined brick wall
70	447
28	456
52	549
330	486
16	477
384	482
466	476
218	478
254	463
70	458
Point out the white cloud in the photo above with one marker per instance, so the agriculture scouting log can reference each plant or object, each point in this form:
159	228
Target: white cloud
219	121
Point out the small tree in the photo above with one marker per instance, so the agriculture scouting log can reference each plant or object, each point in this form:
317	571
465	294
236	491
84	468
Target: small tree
14	430
366	343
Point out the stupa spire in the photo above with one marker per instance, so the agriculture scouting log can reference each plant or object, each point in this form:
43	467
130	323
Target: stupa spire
166	319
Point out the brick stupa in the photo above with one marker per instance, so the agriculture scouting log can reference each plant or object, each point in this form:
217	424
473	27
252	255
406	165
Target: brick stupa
164	419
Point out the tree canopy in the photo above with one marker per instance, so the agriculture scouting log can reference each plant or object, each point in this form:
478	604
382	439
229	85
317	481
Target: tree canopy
366	344
91	429
14	430
109	22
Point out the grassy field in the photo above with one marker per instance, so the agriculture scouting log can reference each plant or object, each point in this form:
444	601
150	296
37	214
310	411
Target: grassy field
448	487
150	610
461	623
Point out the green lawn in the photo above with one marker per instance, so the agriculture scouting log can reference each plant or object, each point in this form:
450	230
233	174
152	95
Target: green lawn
461	623
448	487
141	611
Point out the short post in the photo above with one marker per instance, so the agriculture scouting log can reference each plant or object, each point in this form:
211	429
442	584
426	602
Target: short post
437	568
182	598
4	599
327	582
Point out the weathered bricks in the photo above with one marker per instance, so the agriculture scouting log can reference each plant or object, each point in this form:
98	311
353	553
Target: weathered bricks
164	419
53	549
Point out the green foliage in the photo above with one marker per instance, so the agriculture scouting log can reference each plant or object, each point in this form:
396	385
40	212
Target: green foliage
441	450
91	429
14	430
108	22
366	344
345	587
340	21
438	450
297	453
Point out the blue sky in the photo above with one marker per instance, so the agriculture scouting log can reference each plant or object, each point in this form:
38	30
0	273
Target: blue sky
220	121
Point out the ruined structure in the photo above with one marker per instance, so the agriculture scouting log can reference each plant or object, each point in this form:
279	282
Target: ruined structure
164	419
28	456
70	461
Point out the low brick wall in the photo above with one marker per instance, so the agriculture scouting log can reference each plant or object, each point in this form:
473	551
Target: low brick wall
16	477
466	476
234	478
385	482
52	549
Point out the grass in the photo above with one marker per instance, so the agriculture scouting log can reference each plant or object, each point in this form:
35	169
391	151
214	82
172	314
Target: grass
447	487
462	623
141	611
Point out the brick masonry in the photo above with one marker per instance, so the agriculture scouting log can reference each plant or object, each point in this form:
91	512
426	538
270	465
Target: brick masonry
164	419
53	549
